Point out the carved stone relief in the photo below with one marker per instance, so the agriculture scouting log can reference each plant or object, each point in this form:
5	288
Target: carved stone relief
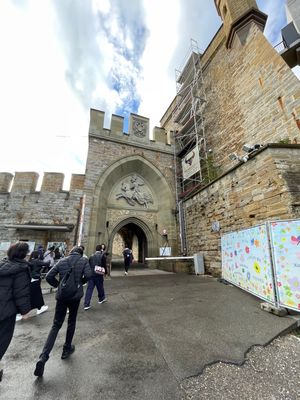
133	190
139	127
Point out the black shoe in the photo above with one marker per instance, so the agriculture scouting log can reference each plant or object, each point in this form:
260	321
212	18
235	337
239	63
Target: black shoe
67	352
1	375
39	368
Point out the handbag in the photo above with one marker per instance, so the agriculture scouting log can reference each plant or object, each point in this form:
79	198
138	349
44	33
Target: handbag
99	270
97	260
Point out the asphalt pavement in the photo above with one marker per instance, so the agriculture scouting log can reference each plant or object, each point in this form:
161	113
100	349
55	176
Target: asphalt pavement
156	338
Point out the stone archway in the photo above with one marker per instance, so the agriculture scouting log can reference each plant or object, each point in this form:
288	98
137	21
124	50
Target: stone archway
134	234
111	212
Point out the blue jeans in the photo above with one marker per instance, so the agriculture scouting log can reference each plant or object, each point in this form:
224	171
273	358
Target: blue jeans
96	280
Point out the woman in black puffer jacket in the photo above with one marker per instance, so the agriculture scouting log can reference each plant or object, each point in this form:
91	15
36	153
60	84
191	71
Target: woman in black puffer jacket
14	293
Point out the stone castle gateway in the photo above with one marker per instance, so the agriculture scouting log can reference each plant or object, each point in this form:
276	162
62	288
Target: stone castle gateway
129	185
129	190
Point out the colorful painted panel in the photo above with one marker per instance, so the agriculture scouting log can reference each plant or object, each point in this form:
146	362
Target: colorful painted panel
285	237
246	261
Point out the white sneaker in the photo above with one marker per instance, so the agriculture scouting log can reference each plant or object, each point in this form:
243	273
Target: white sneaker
41	310
18	317
102	301
126	273
86	307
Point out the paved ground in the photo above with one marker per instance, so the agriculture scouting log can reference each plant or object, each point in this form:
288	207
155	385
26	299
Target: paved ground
158	338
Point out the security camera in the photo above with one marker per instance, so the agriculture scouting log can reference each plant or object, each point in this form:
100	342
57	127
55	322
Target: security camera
248	148
233	156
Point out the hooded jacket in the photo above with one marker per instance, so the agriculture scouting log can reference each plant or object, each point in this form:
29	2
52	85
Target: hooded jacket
14	288
82	271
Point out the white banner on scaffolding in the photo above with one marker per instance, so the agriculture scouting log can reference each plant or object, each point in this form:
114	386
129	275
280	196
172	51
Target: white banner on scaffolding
191	163
285	239
246	261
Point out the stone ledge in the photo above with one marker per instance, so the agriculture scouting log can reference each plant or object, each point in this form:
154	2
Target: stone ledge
279	311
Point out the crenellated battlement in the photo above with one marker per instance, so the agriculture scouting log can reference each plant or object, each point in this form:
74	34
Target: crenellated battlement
26	182
138	131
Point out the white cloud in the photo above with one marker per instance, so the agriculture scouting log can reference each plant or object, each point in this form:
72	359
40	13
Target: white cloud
36	103
57	61
101	5
157	86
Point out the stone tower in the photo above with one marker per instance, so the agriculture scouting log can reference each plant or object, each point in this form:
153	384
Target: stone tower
237	17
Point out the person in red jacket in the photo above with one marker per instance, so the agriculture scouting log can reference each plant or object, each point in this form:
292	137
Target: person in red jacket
14	293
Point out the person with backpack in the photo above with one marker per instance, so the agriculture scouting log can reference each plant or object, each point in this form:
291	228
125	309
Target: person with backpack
128	258
14	293
98	266
73	272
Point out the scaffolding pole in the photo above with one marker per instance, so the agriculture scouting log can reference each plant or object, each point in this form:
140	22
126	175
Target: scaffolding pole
189	130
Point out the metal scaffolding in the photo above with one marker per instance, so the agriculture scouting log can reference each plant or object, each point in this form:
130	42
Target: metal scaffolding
188	119
189	131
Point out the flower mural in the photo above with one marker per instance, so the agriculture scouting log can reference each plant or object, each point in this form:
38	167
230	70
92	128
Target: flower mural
285	236
294	283
251	256
251	268
256	267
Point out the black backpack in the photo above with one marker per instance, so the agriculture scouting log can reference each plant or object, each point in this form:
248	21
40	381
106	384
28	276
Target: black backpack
68	286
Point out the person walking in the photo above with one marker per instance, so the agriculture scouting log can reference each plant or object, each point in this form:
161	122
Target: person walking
99	269
36	296
49	256
128	258
82	272
14	293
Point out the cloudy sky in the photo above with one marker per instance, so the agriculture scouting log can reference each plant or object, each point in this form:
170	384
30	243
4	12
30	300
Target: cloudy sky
59	58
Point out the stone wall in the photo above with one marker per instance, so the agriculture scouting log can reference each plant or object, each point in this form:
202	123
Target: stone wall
265	188
252	97
23	205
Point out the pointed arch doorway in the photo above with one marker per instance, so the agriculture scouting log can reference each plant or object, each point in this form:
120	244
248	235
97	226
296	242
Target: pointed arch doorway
132	233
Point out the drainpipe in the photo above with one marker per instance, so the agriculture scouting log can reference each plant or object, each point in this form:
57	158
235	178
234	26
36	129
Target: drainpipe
80	220
182	228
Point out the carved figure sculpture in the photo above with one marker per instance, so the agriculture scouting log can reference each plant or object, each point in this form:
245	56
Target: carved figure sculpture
131	191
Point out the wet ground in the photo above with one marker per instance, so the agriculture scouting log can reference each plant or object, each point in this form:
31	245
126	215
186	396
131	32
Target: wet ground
160	336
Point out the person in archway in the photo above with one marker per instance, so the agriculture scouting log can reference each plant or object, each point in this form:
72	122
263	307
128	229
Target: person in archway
98	266
128	258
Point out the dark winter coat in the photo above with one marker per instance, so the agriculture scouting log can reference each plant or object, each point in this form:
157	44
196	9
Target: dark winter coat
128	256
98	258
14	288
36	266
82	270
